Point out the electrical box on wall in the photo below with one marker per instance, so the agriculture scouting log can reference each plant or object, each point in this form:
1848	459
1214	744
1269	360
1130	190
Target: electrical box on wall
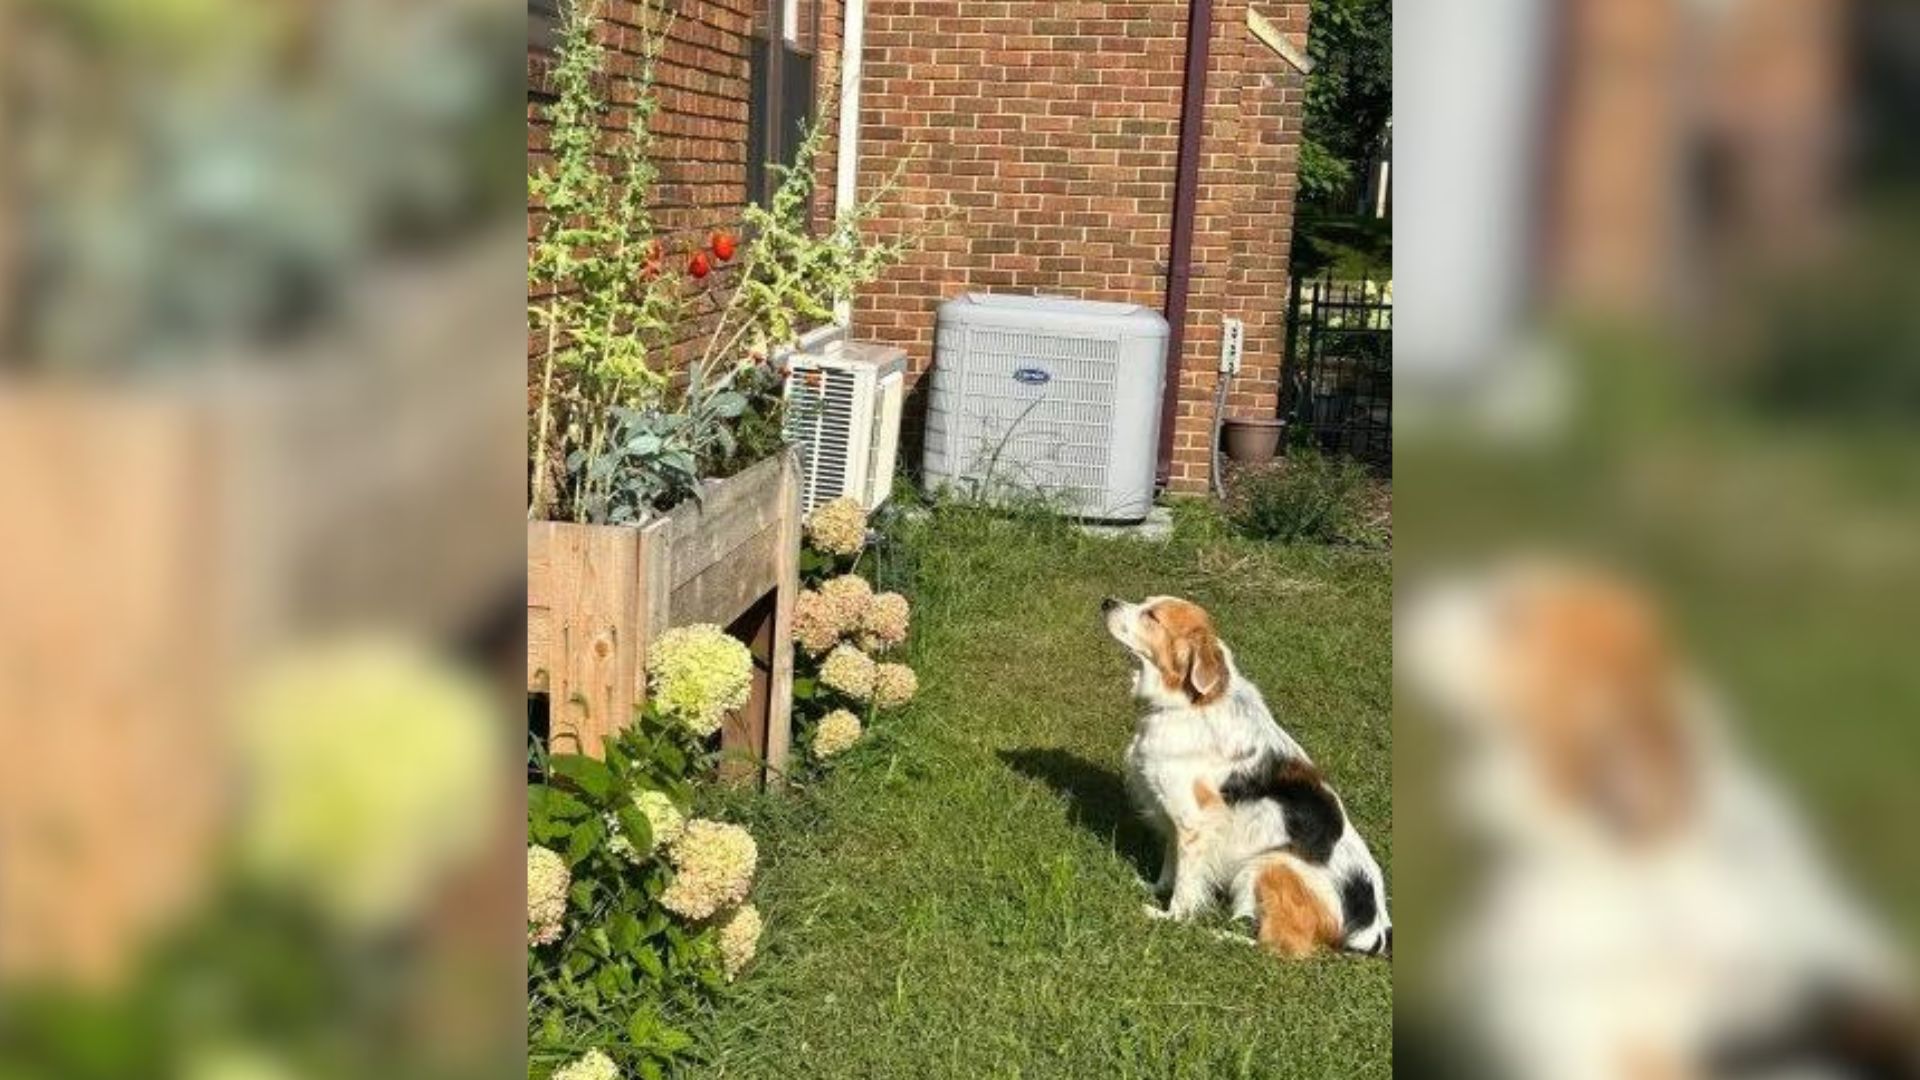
1233	339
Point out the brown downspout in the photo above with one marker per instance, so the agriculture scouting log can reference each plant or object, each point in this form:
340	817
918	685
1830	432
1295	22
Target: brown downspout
1193	101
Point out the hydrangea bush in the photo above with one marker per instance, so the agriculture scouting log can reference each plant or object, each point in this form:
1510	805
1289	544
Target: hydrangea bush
636	913
841	629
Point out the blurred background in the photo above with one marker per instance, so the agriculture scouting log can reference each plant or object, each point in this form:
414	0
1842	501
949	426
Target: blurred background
1661	312
261	359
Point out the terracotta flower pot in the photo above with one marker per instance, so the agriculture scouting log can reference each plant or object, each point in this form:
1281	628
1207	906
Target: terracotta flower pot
1251	442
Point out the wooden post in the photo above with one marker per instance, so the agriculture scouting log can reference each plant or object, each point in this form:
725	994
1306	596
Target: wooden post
743	740
585	603
787	590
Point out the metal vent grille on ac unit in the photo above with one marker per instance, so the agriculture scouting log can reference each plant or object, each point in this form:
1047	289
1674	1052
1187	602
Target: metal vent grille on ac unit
1060	398
843	419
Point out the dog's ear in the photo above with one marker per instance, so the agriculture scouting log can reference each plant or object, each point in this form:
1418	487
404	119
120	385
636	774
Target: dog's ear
1206	666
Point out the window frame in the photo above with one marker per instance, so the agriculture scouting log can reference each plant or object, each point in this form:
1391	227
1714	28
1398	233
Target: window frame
770	137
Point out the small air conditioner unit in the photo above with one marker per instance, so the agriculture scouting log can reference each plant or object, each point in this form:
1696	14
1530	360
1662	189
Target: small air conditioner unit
1042	395
843	417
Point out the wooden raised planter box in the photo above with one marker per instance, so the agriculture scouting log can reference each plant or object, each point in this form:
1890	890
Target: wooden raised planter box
598	595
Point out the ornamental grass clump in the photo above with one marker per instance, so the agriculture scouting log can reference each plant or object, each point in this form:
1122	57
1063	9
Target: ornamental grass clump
739	938
838	527
547	882
837	732
698	676
849	672
713	865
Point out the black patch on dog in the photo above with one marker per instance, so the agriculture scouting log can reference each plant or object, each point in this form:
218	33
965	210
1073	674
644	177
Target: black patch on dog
1833	1032
1312	814
1356	902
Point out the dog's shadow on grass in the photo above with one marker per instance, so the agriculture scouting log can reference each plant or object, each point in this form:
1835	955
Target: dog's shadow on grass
1097	801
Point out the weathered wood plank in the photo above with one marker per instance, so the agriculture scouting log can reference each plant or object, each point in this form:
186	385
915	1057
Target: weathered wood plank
731	585
787	578
743	738
594	586
539	649
116	628
539	565
740	507
749	485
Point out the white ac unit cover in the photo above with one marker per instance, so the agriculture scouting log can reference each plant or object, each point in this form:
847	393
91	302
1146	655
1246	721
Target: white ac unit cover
843	418
1047	396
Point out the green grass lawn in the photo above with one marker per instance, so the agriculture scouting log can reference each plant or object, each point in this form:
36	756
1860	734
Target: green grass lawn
958	898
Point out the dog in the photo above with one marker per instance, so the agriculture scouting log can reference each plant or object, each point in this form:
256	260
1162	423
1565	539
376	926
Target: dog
1238	802
1648	903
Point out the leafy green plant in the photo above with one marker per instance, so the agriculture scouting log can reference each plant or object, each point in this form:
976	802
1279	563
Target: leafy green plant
1307	497
792	278
604	310
635	436
1349	93
624	973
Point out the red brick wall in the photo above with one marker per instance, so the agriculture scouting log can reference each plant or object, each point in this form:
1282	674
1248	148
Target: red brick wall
1049	131
701	127
1052	130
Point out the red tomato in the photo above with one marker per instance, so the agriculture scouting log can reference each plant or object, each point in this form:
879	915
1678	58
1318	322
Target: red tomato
698	265
722	246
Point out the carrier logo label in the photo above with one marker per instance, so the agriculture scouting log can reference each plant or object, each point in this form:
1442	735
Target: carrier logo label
1032	376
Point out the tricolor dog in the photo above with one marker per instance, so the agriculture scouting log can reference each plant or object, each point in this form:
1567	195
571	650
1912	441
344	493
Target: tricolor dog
1239	803
1647	901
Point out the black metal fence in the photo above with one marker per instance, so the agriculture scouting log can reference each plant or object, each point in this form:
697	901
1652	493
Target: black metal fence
1339	368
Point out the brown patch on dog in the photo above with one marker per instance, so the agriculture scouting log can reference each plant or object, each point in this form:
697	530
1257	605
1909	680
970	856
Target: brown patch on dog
1208	798
1597	691
1293	921
1643	1063
1186	650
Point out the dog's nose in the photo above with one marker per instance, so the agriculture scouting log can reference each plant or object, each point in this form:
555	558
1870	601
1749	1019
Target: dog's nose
1109	603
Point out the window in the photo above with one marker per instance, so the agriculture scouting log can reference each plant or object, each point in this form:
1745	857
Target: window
543	41
781	88
543	27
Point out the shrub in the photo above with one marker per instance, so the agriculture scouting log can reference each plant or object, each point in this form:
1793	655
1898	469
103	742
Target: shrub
1306	498
634	916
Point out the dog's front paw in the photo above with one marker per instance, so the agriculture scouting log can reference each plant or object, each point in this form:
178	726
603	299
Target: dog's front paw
1155	911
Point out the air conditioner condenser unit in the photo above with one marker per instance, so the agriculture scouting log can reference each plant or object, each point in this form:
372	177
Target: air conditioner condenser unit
1047	396
843	418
